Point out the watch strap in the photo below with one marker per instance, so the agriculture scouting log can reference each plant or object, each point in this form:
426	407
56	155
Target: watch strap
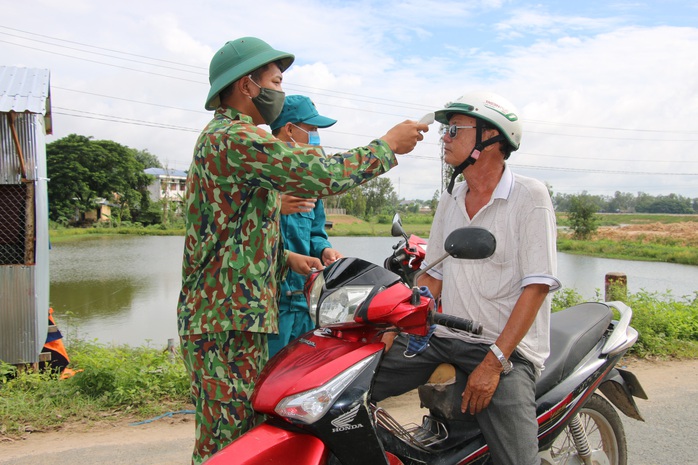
506	364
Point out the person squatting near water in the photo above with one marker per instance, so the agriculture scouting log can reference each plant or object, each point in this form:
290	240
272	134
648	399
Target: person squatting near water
233	257
302	222
509	293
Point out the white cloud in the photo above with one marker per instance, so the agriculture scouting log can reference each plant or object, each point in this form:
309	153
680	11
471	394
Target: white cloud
372	64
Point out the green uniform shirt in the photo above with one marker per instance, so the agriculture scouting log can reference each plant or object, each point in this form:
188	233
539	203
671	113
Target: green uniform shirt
233	256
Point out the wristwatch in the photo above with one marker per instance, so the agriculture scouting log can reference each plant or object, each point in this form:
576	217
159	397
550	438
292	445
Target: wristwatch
506	364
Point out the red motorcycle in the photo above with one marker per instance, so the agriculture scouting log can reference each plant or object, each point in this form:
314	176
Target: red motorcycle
316	392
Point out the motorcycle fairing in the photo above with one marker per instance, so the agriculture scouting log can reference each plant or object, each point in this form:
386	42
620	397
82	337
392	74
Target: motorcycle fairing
273	446
309	361
348	428
392	307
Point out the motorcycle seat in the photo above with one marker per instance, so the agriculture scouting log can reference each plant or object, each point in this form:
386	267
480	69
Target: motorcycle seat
573	333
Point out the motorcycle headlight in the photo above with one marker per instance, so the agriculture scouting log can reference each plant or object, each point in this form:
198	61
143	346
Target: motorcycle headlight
309	406
313	294
339	306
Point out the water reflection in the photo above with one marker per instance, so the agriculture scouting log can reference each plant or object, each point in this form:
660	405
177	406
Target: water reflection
112	297
117	289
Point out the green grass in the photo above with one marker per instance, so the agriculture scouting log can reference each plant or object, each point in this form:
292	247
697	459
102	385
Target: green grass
68	234
111	382
376	229
658	250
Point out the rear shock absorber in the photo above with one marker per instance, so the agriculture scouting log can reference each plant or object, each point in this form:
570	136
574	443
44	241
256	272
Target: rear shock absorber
581	441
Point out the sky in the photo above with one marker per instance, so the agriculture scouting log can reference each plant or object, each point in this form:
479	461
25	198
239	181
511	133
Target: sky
607	90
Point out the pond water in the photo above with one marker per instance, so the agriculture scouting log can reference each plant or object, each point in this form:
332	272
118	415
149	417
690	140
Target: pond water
124	289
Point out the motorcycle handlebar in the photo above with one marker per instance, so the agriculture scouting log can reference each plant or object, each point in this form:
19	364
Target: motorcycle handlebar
455	322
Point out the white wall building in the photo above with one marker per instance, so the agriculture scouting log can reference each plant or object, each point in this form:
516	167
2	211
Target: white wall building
169	184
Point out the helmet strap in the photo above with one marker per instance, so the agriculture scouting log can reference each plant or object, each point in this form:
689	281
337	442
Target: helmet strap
475	154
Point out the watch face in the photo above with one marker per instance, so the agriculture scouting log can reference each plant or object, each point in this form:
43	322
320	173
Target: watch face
508	368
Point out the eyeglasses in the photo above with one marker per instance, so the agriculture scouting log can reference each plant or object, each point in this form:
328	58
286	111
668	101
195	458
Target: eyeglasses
452	130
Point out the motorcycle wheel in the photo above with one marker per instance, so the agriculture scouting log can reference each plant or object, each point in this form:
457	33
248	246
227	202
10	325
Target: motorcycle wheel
605	434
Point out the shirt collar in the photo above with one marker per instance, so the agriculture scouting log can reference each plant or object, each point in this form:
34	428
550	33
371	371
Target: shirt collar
505	185
502	191
233	114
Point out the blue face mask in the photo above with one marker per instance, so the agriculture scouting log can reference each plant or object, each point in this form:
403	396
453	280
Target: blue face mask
313	136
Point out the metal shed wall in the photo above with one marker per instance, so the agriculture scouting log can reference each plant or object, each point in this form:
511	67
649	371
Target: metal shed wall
24	288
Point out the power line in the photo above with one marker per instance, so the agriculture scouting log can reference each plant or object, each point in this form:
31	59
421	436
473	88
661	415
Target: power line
106	55
130	100
95	47
110	118
118	119
106	64
318	91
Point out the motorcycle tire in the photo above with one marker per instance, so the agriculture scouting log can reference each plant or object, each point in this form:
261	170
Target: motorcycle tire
605	434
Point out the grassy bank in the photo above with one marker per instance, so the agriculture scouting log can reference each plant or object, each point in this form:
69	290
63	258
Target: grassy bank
641	249
61	234
112	382
139	383
646	247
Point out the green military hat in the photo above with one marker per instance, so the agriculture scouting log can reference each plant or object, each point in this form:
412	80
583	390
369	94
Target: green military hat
239	58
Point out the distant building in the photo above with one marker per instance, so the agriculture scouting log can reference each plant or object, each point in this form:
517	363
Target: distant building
168	184
101	212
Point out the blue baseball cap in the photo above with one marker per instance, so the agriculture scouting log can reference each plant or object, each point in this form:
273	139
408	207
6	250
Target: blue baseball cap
300	109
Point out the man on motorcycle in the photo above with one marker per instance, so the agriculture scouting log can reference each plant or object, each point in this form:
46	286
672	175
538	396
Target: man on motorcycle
507	293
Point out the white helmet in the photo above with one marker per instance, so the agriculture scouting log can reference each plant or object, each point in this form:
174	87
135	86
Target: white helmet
489	107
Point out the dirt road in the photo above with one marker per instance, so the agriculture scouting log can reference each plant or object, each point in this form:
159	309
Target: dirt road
667	437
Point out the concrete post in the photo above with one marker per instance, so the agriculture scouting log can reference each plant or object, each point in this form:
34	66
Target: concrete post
616	286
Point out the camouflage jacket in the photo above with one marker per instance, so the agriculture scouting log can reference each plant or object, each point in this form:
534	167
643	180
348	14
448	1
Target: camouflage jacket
233	255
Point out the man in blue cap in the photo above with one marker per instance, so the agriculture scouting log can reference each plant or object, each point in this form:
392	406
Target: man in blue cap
302	221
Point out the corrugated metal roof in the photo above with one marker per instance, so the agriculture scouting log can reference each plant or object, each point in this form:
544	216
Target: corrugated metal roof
165	172
26	90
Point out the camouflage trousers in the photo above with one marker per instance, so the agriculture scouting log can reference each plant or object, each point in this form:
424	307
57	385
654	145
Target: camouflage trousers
223	368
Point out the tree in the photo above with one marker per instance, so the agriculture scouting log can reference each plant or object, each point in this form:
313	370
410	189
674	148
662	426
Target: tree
621	202
582	215
128	184
82	170
671	203
561	202
354	202
147	159
434	202
379	195
69	189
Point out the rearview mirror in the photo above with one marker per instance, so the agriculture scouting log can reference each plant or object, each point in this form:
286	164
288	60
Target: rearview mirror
397	230
470	243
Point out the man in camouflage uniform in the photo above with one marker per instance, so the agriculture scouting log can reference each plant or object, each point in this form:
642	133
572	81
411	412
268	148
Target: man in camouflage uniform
233	257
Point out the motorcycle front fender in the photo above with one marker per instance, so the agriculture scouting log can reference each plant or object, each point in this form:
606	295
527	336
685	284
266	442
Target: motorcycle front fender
269	445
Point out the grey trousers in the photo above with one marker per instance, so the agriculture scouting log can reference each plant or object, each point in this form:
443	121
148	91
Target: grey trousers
508	423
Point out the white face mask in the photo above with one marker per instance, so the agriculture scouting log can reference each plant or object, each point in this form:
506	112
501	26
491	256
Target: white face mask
313	136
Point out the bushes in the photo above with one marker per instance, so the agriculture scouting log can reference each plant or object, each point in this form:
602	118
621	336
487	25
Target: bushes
126	376
667	325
